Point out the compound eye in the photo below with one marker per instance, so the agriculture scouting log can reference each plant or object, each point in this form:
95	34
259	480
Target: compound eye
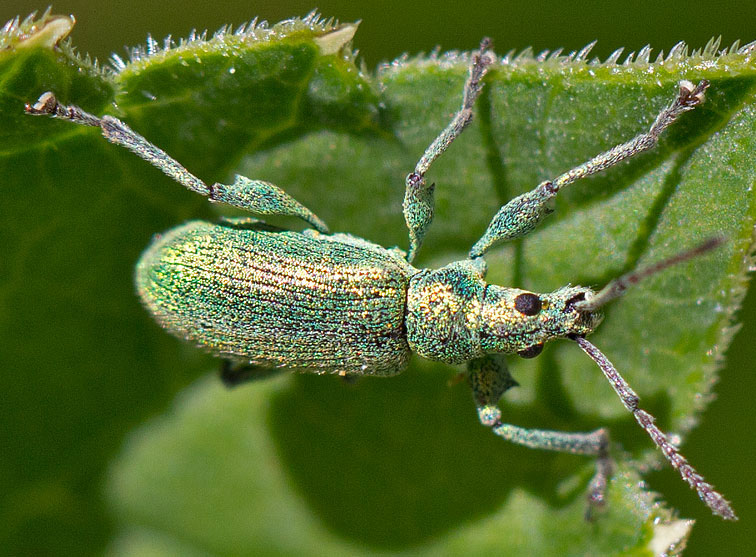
527	304
531	351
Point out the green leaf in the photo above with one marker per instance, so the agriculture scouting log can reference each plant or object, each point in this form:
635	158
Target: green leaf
307	464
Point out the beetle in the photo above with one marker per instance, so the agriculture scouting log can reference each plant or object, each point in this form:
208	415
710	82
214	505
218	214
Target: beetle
267	299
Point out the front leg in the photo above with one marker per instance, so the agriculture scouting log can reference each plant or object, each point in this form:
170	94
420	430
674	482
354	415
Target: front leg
521	215
489	378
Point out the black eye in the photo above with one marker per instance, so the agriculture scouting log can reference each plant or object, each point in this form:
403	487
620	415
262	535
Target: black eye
527	304
531	351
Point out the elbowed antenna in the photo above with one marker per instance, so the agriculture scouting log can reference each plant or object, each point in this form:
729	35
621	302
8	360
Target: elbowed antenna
715	501
619	286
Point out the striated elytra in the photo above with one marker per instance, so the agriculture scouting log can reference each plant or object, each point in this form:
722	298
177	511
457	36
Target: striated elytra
278	298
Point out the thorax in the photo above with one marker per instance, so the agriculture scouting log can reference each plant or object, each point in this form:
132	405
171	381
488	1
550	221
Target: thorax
443	313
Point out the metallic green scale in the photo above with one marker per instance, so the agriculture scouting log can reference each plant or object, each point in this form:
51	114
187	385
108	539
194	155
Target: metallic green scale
282	299
268	299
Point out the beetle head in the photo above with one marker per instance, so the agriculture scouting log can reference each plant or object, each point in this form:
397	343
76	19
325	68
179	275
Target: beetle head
518	321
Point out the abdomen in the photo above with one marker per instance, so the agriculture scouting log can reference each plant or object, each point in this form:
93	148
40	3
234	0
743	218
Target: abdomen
275	298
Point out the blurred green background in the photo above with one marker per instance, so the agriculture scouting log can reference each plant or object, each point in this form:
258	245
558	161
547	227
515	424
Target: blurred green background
723	447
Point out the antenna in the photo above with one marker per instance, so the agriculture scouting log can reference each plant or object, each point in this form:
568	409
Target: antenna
619	286
716	502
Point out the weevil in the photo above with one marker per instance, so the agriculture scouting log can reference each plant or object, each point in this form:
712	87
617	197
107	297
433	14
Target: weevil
266	299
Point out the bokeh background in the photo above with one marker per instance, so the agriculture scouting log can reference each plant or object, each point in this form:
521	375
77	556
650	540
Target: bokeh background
390	28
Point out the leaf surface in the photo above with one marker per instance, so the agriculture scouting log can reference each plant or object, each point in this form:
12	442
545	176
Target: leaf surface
306	464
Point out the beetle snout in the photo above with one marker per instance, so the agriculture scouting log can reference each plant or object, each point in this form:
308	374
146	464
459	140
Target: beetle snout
575	322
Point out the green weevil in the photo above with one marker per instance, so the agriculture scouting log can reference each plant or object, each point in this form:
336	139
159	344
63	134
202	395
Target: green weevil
267	299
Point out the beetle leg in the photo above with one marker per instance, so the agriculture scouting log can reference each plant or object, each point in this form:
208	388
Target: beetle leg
523	213
255	196
234	373
263	198
418	196
489	379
